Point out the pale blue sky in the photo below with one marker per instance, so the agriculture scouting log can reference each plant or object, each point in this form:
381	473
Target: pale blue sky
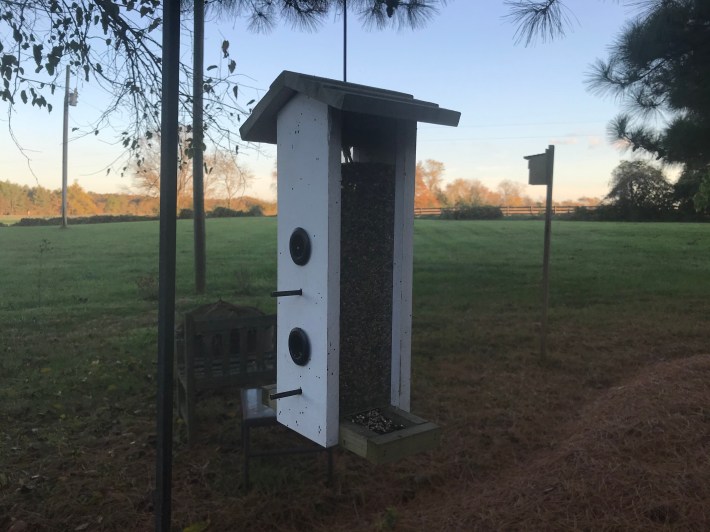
514	100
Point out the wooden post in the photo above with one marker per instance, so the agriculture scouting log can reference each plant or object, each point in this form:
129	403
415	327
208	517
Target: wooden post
550	152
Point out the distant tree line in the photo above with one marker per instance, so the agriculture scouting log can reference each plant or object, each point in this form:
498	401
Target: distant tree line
37	201
639	191
460	193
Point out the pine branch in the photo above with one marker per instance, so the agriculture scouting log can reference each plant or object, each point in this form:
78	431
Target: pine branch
543	19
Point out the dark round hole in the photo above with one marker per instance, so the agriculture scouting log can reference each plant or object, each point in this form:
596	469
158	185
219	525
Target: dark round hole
299	347
300	246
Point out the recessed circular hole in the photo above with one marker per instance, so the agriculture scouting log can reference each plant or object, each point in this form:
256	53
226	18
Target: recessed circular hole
299	347
299	245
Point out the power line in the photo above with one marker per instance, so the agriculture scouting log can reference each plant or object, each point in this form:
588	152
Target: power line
472	139
522	124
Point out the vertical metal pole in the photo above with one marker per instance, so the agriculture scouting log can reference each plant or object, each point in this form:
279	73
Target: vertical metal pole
198	188
166	267
345	40
546	253
65	151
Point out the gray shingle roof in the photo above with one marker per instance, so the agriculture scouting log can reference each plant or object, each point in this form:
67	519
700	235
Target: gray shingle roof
349	97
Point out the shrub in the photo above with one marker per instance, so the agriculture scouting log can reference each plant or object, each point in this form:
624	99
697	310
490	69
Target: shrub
98	219
224	212
612	213
583	214
255	210
186	214
472	212
30	222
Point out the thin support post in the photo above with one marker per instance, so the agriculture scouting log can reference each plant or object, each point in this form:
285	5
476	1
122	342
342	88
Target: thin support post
345	40
198	188
65	150
546	252
166	267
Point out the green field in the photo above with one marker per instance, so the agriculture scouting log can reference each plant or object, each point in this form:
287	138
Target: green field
78	328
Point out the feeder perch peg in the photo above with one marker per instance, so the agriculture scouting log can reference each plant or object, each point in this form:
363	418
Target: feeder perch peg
289	393
285	293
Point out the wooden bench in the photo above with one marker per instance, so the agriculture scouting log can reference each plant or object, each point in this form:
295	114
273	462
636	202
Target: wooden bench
222	346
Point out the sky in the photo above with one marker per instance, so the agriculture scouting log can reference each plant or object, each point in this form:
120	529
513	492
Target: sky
514	100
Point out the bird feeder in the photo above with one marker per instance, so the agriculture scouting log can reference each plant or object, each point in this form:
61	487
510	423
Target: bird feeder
346	157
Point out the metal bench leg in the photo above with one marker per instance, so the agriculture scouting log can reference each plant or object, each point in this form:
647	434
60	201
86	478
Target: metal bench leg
191	399
245	451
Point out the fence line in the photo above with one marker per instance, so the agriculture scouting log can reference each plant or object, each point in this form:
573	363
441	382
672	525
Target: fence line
530	210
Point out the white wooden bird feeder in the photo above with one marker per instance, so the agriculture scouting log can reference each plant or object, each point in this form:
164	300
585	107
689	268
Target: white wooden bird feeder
346	157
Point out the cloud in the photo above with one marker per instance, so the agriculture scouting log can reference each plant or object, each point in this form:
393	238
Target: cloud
593	142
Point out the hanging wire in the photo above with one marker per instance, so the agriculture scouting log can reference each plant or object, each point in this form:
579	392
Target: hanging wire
345	40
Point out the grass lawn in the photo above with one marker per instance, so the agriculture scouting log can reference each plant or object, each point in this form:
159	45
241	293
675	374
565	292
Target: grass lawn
78	322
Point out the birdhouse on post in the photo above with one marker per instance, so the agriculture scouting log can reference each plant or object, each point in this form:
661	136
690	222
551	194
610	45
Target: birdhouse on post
346	157
540	167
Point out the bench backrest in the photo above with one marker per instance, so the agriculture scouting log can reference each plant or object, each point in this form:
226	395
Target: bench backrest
239	351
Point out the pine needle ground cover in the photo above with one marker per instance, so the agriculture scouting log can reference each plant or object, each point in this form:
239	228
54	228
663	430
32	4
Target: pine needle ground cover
610	431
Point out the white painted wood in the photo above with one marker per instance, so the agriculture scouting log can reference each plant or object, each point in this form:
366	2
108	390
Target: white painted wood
308	160
405	167
309	157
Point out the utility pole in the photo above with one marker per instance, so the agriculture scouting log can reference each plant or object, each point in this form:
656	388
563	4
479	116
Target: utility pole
65	142
70	98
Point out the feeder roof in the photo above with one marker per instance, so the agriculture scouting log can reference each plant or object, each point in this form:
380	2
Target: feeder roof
350	97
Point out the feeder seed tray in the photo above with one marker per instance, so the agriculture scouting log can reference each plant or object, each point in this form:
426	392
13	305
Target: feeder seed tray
408	434
375	421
